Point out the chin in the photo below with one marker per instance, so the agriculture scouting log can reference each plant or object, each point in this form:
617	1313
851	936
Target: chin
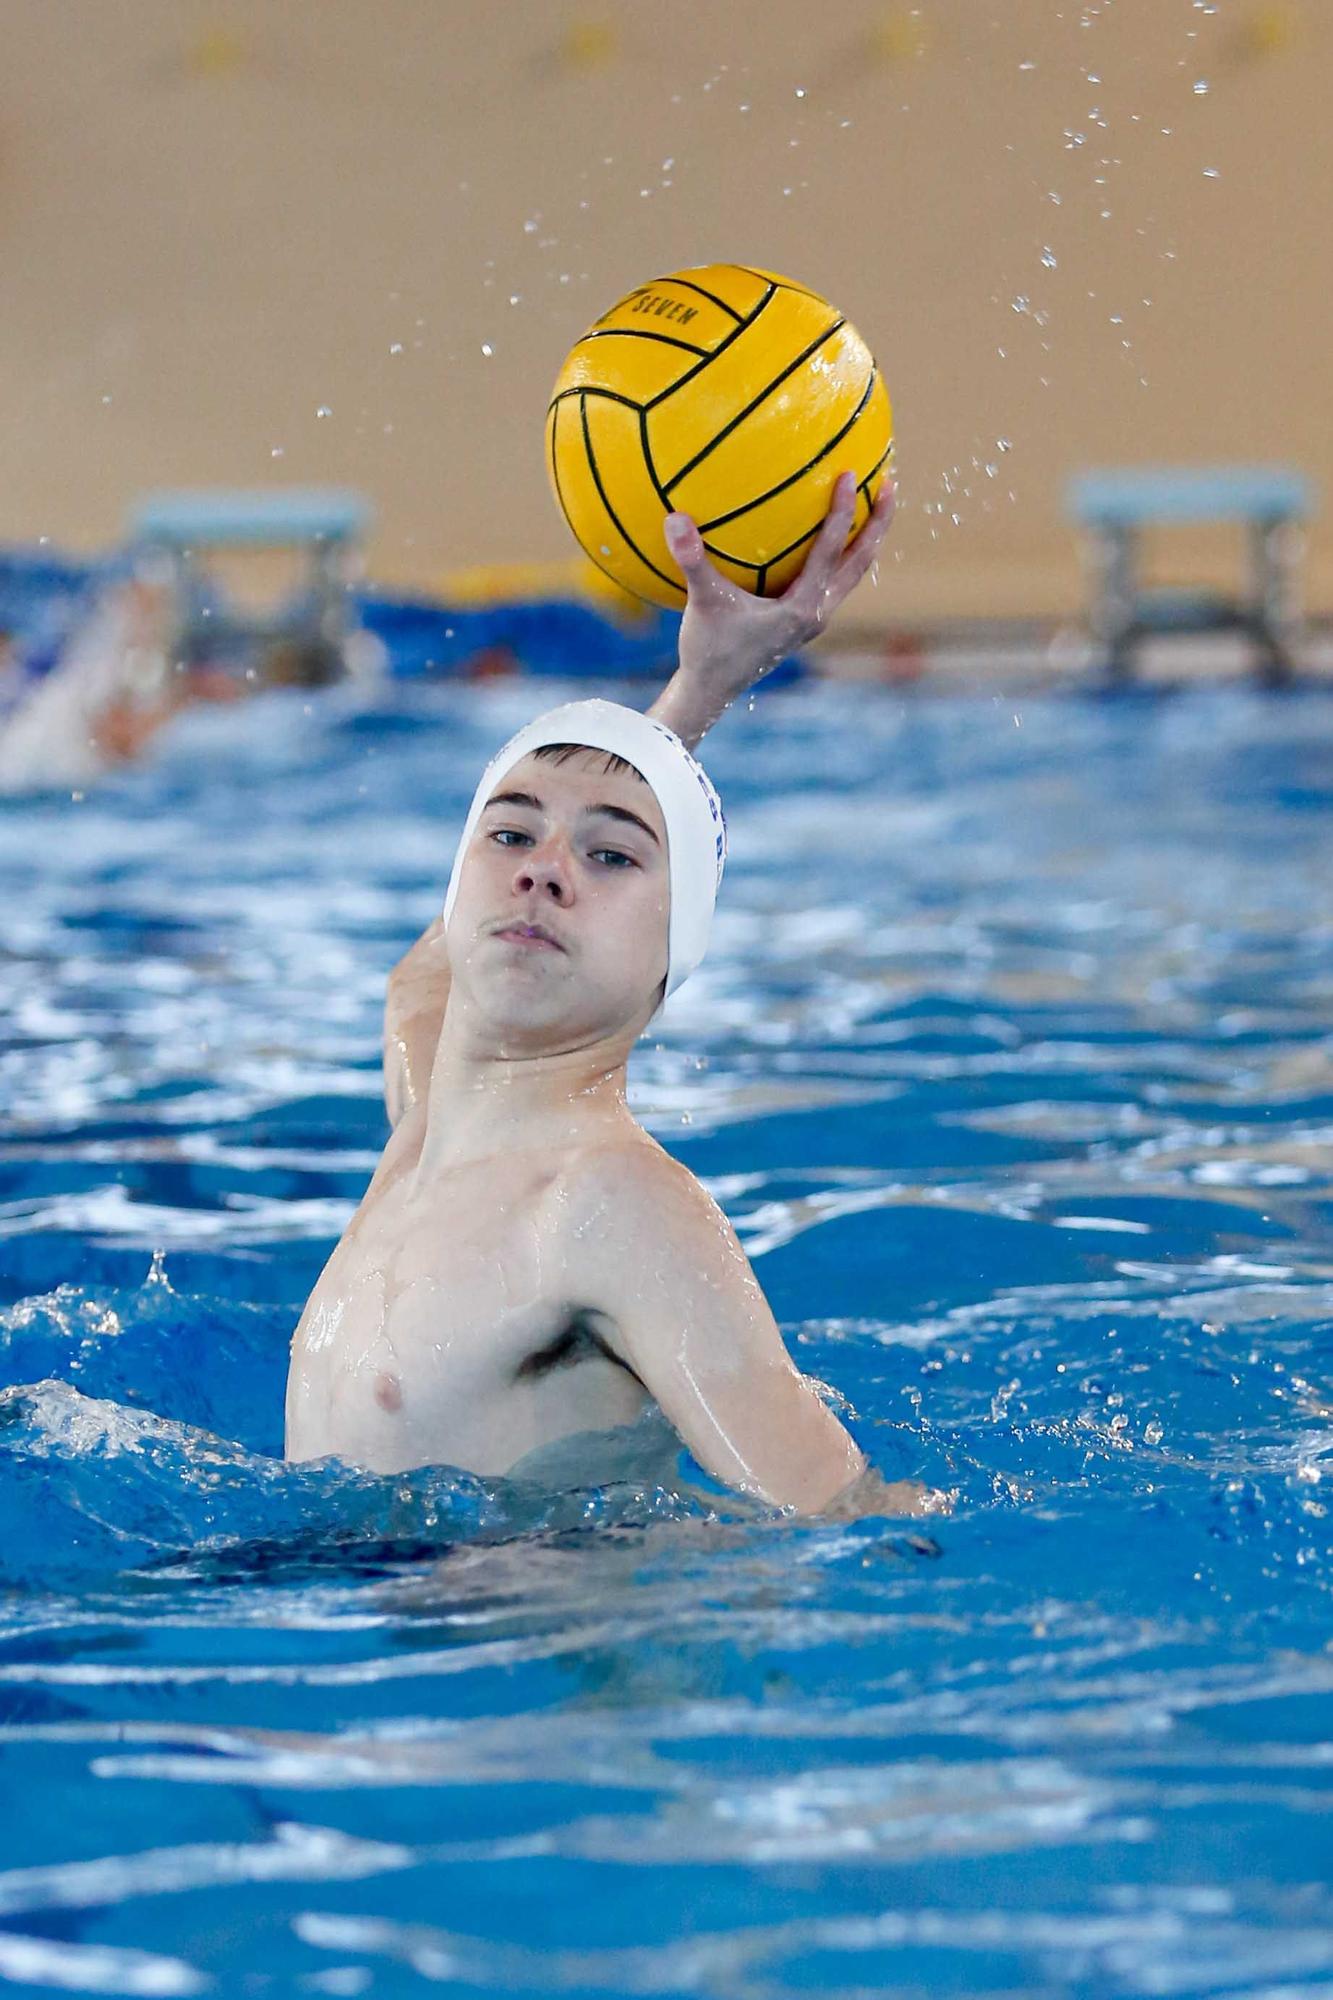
548	1001
555	1026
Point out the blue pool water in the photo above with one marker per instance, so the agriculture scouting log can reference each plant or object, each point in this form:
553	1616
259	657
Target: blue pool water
1013	1065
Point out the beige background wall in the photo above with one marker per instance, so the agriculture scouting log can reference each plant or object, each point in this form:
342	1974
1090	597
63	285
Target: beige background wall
219	218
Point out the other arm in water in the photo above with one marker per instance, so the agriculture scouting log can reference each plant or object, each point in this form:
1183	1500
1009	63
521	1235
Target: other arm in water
729	638
673	1297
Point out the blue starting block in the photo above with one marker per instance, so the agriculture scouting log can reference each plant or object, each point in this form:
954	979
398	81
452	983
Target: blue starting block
176	531
1116	507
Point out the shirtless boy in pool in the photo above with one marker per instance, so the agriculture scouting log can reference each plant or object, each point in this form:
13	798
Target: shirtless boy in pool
527	1264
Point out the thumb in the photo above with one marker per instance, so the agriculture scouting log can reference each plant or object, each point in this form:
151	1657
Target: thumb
684	541
703	583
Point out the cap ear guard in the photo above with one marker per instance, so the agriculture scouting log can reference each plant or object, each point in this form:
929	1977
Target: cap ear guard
696	829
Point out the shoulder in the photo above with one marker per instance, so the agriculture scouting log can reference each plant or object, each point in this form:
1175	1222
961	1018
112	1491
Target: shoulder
638	1224
631	1187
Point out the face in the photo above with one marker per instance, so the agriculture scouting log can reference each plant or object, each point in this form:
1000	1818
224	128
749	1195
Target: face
559	926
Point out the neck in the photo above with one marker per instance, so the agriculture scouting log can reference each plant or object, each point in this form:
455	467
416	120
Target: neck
490	1093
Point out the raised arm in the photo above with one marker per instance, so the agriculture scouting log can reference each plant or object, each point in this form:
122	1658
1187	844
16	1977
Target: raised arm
675	1299
729	638
414	1007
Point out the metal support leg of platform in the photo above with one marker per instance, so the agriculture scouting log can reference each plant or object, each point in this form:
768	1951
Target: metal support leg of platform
1114	552
1115	505
1276	549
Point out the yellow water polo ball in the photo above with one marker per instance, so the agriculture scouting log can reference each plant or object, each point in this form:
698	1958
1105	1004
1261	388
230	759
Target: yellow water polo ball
727	393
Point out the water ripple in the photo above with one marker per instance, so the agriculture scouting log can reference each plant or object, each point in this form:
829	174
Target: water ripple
1013	1066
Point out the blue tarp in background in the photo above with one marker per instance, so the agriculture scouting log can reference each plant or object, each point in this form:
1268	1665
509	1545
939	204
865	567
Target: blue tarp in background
43	599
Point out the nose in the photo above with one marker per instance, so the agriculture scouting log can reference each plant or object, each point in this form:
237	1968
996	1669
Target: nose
545	871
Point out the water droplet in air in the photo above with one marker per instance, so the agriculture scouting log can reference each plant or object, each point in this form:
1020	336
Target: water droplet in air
487	349
1201	87
323	410
1212	173
1152	1432
277	452
1048	257
396	347
1004	444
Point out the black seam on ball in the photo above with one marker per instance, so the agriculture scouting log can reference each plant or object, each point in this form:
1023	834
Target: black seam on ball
876	467
784	283
647	451
704	293
721	348
737	562
552	425
642	333
791	547
754	403
719	520
628	539
621	584
611	395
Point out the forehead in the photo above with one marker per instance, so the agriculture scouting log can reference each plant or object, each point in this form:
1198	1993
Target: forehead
581	779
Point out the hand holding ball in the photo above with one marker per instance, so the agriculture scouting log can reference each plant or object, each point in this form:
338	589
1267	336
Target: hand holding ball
729	394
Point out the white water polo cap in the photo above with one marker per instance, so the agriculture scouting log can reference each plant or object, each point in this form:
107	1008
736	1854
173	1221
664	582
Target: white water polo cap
696	830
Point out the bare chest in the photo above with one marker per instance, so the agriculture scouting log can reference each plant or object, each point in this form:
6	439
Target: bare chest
447	1327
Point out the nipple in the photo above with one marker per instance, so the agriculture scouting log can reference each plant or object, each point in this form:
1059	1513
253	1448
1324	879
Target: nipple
388	1392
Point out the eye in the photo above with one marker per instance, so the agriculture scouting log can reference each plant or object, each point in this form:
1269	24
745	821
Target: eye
612	857
508	836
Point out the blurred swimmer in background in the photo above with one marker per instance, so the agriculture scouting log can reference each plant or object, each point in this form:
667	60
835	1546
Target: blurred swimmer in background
529	1273
122	675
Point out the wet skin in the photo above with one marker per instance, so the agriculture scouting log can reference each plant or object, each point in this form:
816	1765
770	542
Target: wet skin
528	1263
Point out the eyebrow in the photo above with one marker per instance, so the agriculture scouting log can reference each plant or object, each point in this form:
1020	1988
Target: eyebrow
611	812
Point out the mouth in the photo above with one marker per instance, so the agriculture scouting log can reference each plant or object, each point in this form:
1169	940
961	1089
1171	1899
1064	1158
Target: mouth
532	937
